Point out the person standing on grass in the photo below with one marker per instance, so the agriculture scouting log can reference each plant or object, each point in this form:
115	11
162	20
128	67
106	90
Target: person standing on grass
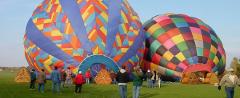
122	79
159	79
137	81
154	78
56	80
68	81
230	81
113	77
63	77
88	76
149	76
33	77
79	81
41	81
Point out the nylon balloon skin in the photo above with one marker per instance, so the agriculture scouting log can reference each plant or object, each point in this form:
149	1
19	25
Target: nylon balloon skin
178	43
63	33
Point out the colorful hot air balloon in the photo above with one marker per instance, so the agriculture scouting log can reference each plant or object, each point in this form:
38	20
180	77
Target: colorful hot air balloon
81	33
178	43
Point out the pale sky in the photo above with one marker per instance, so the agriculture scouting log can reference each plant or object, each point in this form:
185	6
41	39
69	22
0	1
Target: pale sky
221	15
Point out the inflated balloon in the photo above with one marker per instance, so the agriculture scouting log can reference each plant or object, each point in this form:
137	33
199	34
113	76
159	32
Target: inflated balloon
81	33
179	43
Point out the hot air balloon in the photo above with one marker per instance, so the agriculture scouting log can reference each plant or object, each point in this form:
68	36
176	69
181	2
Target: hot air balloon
81	33
178	43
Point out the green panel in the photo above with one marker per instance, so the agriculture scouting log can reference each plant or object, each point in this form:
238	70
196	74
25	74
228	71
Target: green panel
212	55
213	38
201	23
169	73
187	54
163	62
177	20
147	34
158	32
182	46
199	51
220	63
154	46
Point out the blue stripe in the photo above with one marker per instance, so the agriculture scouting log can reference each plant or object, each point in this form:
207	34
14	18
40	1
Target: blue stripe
132	51
46	44
70	7
113	23
97	59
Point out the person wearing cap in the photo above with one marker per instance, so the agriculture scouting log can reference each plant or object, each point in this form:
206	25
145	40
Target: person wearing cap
229	81
122	79
79	81
149	76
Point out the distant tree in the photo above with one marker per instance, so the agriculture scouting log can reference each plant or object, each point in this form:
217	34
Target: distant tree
236	66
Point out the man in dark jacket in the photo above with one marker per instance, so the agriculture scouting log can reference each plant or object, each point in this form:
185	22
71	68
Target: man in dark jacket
33	79
137	81
122	79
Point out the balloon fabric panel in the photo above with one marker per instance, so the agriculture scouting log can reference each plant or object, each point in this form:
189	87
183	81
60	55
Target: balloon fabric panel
63	33
184	42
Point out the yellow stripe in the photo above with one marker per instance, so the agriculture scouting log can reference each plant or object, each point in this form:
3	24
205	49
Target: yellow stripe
124	50
136	32
124	17
85	14
104	30
153	28
47	63
168	55
118	40
177	39
91	34
75	70
95	50
40	27
56	33
180	56
47	21
105	16
130	42
59	8
124	28
216	60
67	28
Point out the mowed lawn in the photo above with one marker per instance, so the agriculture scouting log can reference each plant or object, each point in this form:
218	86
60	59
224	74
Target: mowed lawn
10	89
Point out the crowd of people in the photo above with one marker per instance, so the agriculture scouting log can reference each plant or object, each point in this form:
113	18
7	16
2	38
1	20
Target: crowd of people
153	78
59	78
66	78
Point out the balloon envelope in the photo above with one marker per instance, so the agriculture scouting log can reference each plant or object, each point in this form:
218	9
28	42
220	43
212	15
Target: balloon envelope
64	33
179	43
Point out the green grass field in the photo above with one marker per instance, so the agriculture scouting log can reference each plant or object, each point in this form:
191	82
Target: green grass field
10	89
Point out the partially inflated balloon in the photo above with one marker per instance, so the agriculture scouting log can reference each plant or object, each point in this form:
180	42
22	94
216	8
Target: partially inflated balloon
179	43
81	33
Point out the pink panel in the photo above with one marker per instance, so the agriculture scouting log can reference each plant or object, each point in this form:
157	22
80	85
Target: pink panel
168	44
183	66
195	30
